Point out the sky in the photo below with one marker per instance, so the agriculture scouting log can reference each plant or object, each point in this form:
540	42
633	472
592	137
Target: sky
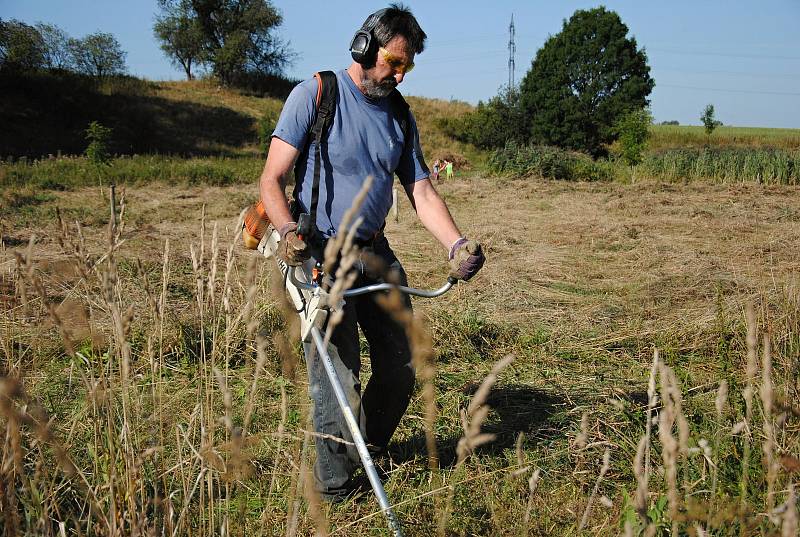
741	56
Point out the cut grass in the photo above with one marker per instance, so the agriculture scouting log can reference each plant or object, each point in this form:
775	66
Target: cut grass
579	292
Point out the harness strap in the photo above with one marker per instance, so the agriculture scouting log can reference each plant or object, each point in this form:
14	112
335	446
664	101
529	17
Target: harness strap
327	95
401	112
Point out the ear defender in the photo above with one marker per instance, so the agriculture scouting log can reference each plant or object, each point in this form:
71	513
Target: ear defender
363	47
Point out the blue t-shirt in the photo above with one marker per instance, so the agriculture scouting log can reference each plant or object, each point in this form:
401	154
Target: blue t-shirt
365	139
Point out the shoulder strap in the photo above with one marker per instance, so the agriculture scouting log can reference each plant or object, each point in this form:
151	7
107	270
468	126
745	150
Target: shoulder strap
401	112
327	94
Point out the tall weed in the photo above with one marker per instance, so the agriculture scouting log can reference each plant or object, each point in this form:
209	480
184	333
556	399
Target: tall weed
763	165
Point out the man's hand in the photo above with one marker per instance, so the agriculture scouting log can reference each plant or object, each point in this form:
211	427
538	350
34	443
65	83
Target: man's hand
466	259
292	249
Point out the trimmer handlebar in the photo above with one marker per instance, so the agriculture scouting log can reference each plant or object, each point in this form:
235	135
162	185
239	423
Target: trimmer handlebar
379	287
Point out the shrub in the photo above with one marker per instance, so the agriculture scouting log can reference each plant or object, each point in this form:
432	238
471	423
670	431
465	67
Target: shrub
548	162
491	125
98	137
633	132
266	124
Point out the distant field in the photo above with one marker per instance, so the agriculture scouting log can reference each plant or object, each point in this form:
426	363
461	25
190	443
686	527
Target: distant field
669	136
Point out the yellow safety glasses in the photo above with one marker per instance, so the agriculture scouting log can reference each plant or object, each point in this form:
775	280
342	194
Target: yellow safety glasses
396	63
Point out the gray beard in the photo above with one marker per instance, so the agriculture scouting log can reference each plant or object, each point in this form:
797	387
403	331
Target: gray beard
377	90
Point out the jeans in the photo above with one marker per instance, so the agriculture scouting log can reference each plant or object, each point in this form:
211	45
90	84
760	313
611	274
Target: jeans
386	395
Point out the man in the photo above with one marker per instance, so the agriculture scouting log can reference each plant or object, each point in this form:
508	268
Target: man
365	139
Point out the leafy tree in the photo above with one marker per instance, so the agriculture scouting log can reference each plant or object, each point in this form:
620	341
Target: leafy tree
56	46
709	122
98	54
633	131
237	36
492	124
180	35
21	46
583	80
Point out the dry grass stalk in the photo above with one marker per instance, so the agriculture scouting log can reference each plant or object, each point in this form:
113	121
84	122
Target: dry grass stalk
312	495
789	525
297	488
522	468
583	437
719	404
642	481
652	399
471	420
670	447
533	482
768	446
603	470
340	252
750	375
476	413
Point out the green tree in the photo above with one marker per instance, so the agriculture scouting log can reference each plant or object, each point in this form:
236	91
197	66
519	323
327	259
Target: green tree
98	54
633	130
56	46
180	35
98	137
492	124
236	37
709	121
583	80
21	46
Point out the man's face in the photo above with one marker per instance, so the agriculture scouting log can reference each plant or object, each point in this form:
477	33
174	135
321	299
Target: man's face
393	61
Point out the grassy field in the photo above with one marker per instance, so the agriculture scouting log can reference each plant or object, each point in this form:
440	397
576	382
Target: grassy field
152	381
671	136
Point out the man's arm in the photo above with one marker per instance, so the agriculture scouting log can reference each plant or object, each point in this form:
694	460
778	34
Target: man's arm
280	162
432	212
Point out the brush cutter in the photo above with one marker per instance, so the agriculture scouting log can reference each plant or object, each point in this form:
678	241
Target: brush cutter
313	303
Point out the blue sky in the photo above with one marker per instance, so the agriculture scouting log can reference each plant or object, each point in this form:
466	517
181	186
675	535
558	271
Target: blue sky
744	57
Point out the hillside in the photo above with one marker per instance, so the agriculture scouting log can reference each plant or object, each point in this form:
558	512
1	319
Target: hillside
47	114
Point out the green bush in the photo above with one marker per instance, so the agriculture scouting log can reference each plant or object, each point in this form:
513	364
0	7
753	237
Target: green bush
491	125
98	137
266	124
633	133
208	174
549	163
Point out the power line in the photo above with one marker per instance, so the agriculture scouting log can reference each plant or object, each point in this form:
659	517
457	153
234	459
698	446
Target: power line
729	90
723	72
724	54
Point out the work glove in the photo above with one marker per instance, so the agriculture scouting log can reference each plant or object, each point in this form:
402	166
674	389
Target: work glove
466	259
292	249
